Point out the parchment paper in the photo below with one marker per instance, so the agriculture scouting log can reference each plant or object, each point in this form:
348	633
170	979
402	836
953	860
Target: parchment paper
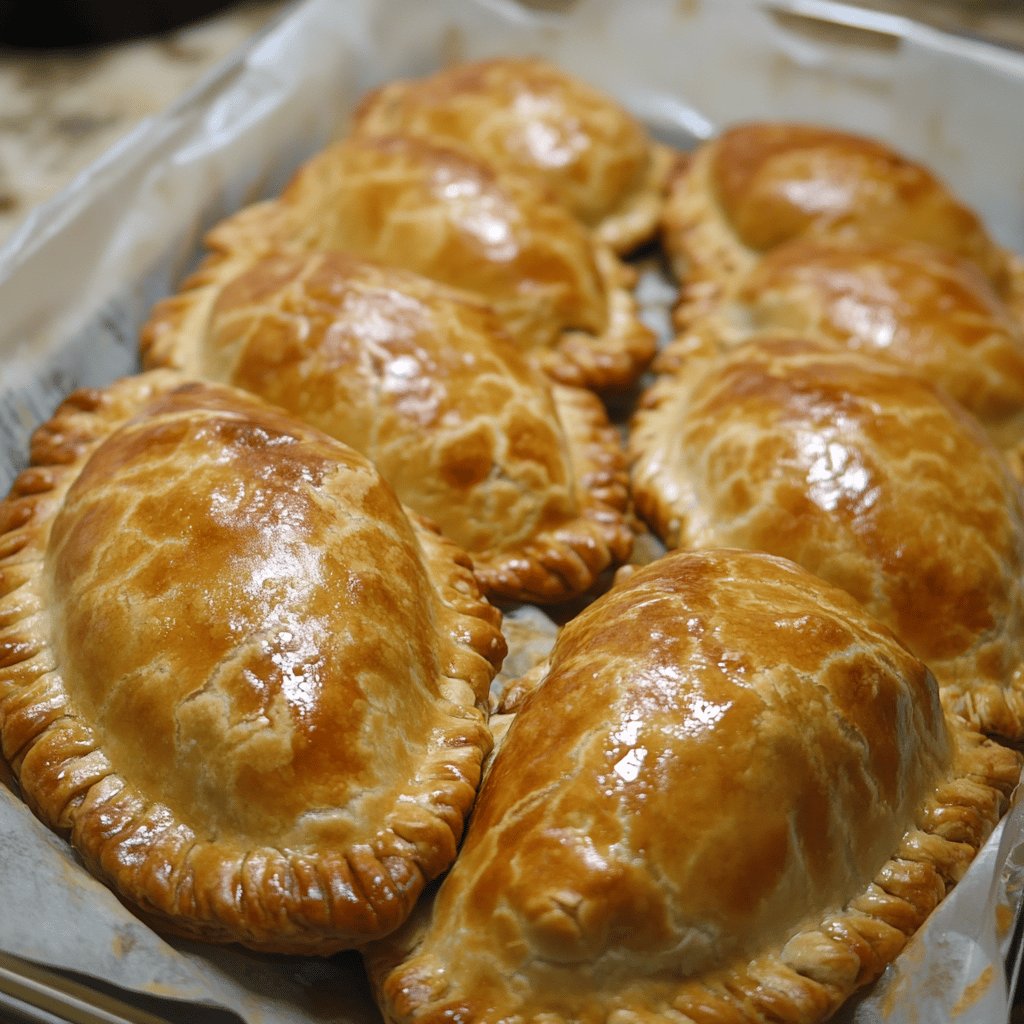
79	277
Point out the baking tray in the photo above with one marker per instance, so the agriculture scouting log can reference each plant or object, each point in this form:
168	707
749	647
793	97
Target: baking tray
80	275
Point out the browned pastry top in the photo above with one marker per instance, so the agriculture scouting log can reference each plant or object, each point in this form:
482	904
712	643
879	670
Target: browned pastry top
760	184
862	473
778	181
528	116
906	302
411	204
233	620
528	477
686	816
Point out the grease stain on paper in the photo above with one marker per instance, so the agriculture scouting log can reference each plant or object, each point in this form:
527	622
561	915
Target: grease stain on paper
973	993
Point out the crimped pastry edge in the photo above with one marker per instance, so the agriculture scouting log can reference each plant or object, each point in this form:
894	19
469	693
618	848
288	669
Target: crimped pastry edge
557	563
67	781
706	256
814	972
609	361
635	222
563	562
631	223
612	361
703	252
992	708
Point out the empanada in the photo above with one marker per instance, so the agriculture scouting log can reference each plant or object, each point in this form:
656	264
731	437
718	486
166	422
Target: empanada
867	476
759	184
732	798
525	115
235	672
528	477
905	302
564	298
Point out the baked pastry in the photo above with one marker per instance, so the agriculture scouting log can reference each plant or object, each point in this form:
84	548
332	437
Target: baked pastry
905	302
525	115
242	680
565	299
528	477
865	475
705	812
759	184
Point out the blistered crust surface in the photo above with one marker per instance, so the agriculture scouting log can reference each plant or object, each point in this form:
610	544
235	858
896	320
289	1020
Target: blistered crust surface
703	812
528	477
213	620
529	117
563	297
761	184
907	303
865	475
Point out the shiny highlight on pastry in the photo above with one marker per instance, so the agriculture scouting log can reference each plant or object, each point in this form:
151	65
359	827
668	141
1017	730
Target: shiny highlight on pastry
221	618
565	299
864	474
906	303
526	475
531	118
666	829
758	185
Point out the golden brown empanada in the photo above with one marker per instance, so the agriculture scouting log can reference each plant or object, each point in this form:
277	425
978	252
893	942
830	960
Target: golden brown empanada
565	299
865	475
235	672
528	477
905	302
732	798
760	184
525	115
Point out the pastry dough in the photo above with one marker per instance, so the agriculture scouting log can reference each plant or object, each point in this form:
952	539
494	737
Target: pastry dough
528	478
235	672
704	812
865	475
527	116
564	298
760	184
908	303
